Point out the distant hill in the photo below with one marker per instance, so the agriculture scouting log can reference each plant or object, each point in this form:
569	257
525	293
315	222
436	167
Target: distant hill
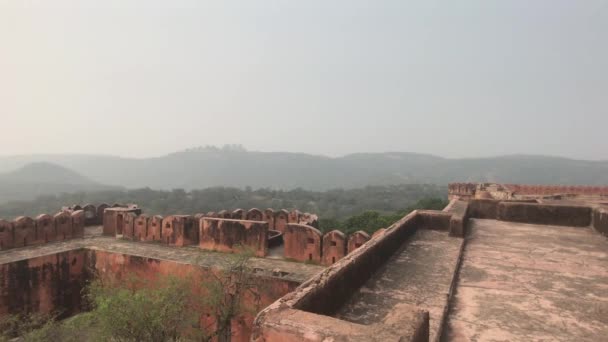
43	178
208	167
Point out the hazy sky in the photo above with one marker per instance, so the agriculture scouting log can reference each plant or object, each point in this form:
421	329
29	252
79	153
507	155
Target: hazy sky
452	78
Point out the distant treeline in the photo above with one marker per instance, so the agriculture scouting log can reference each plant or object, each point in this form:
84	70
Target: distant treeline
373	205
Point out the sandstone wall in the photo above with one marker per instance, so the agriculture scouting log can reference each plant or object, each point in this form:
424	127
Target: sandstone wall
229	235
334	247
302	243
43	284
600	220
112	267
25	231
524	189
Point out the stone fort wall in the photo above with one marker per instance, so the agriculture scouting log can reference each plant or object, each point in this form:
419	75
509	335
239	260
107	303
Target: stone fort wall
25	231
228	231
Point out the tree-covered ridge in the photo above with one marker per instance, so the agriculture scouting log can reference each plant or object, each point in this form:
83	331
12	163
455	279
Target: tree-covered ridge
331	206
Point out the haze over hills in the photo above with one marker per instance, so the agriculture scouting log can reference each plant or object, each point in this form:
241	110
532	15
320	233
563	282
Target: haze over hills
42	178
206	167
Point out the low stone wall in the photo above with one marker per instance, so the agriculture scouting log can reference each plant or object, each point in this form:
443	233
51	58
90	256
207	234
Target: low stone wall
458	221
113	266
600	220
227	235
558	215
54	283
432	219
44	284
25	231
303	314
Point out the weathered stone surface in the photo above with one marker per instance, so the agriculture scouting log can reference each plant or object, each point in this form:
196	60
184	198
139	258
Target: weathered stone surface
155	224
269	218
43	284
435	220
281	220
90	215
254	215
523	282
140	232
128	226
100	212
560	215
302	243
6	235
356	240
63	225
114	219
238	214
600	220
334	247
180	230
25	232
294	216
45	228
231	235
421	273
78	223
327	292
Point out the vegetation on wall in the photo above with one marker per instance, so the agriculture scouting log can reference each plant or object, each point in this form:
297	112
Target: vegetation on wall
164	309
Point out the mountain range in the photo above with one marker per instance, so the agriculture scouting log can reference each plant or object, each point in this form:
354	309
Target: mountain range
43	178
207	167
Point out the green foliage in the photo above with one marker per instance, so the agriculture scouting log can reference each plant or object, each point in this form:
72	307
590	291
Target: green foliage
140	310
160	310
334	204
370	221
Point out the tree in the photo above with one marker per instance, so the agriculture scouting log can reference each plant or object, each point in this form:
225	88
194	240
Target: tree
159	310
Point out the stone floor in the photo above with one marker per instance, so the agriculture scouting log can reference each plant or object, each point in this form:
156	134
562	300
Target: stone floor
293	271
521	282
421	274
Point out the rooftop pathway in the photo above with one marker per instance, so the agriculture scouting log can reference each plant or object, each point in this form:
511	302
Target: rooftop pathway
293	271
521	282
421	274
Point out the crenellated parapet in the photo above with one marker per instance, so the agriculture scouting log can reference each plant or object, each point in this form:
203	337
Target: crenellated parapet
25	231
546	190
462	190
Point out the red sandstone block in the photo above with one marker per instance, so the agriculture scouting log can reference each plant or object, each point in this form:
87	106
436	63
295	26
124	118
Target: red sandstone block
269	218
224	214
238	214
302	243
294	216
90	215
45	228
180	230
230	235
281	219
128	228
100	212
78	222
63	226
379	232
25	231
154	232
6	235
254	215
357	240
140	228
334	247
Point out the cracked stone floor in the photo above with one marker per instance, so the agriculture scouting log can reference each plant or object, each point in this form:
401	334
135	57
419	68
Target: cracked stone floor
521	282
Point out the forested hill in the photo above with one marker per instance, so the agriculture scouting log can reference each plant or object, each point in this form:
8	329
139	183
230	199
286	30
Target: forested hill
336	204
210	167
38	179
